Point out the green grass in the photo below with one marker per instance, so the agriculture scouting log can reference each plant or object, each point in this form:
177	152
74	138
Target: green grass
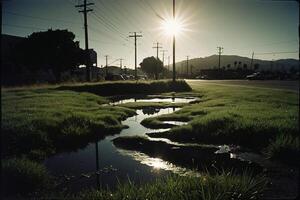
39	122
285	148
237	115
223	186
23	177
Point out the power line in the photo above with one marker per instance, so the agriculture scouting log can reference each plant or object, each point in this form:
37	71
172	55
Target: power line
25	27
39	18
154	11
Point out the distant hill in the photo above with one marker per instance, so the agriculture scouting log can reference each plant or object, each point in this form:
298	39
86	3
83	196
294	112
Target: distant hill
211	62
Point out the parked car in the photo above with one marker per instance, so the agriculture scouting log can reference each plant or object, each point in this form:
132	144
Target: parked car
255	76
202	77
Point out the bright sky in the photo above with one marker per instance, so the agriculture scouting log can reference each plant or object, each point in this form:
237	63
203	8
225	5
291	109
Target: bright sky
240	26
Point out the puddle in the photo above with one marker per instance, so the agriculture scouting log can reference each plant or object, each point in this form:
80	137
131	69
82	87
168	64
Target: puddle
96	164
176	123
102	164
156	100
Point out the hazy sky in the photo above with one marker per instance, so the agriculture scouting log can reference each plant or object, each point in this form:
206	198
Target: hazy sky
240	26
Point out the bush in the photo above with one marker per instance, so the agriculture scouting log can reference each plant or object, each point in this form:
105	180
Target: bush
130	87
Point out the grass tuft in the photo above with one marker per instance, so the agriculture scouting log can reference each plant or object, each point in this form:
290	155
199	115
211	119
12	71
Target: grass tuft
22	176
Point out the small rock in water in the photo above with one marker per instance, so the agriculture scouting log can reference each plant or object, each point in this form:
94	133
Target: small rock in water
85	175
67	177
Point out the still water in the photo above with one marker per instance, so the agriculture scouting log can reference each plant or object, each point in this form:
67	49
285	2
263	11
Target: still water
101	164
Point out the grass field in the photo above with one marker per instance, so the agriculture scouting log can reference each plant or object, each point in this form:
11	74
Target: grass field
41	121
262	119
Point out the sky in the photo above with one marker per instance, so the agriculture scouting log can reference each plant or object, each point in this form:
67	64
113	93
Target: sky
267	28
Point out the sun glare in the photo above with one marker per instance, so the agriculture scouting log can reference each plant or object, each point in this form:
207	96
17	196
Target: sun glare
172	27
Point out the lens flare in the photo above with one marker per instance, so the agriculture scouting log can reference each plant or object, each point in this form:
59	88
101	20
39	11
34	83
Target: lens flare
172	27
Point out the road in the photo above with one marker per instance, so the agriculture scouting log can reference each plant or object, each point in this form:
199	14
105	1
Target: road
273	84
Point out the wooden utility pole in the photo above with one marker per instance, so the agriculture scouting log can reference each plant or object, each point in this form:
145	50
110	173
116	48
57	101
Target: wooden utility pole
220	51
121	59
106	67
135	51
168	63
174	72
251	60
87	56
163	60
157	47
187	66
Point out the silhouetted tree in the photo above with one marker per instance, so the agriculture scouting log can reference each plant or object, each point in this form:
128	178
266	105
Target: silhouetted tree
152	66
239	64
256	66
52	49
228	66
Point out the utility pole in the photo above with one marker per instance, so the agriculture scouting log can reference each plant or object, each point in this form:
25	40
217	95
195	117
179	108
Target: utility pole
135	51
157	47
106	67
220	51
121	59
251	60
187	66
163	51
1	18
87	57
174	72
168	63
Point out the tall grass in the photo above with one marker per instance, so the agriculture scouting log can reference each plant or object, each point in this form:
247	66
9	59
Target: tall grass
223	186
285	148
24	177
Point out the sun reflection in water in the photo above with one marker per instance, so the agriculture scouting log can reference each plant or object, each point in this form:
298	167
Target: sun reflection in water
158	164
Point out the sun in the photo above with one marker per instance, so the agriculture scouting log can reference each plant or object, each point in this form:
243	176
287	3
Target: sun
172	26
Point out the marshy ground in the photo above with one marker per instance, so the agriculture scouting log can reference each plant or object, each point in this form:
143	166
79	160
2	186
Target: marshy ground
38	123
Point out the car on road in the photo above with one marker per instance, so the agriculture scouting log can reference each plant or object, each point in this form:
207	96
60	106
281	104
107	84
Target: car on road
255	76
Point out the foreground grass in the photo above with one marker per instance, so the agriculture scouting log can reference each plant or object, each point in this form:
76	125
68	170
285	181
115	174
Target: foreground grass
222	186
40	122
23	177
265	120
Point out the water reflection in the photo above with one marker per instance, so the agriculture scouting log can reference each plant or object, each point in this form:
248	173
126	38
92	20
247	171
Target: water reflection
172	99
150	110
97	165
158	164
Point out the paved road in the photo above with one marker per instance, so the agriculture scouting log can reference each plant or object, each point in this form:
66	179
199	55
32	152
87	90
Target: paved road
274	84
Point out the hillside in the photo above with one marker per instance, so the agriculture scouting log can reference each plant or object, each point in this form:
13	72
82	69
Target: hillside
211	62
